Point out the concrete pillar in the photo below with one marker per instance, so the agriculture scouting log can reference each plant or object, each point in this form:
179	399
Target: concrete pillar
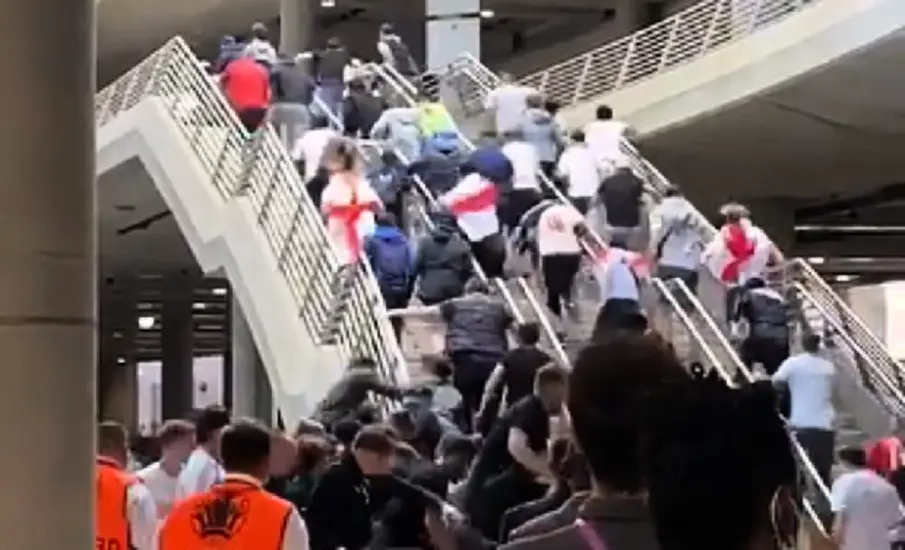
252	396
297	22
176	341
227	372
48	255
453	28
117	365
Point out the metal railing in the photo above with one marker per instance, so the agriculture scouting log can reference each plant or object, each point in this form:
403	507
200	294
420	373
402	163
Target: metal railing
691	313
392	83
679	39
257	169
864	345
371	151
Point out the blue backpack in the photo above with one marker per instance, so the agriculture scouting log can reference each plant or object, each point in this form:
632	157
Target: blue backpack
391	260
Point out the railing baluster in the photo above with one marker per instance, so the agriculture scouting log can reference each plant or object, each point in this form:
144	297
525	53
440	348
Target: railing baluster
626	63
670	40
712	26
582	78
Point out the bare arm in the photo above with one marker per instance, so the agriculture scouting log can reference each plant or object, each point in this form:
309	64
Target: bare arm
517	444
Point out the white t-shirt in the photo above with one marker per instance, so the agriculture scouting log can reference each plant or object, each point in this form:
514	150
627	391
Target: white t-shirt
556	230
161	485
201	471
578	165
478	223
810	381
869	505
509	103
604	137
310	148
142	516
525	164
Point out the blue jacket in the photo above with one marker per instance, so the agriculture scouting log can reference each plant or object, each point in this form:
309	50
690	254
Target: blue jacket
389	234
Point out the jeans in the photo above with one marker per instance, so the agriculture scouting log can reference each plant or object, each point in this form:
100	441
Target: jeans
820	446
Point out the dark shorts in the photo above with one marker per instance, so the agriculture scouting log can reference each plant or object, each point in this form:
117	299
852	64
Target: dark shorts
687	276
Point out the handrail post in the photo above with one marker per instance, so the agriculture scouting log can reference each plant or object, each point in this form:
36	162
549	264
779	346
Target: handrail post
626	63
712	26
667	48
585	69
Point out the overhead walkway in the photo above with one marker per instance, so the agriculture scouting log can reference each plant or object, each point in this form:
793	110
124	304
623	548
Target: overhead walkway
707	57
874	390
242	208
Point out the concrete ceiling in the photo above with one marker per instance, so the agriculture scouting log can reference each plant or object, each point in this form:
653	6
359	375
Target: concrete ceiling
835	131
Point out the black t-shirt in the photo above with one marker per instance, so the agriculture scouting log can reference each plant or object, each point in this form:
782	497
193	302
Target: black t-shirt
527	415
621	198
520	366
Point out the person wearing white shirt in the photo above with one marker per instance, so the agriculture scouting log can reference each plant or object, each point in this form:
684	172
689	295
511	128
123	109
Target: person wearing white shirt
140	512
259	47
525	184
560	254
176	439
246	449
508	103
604	136
866	506
809	380
619	272
579	168
202	469
309	148
473	201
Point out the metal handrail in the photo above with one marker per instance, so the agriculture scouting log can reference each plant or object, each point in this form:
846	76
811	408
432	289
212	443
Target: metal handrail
700	311
257	170
869	346
393	79
684	37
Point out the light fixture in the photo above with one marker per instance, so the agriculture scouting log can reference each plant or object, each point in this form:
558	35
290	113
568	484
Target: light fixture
146	322
121	360
844	278
199	305
328	3
488	14
817	260
219	291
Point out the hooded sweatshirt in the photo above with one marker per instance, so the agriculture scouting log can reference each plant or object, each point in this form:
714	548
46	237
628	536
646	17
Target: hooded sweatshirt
442	262
676	238
399	127
542	131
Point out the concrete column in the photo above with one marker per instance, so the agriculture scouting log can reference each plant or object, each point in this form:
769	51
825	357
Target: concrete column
227	372
48	254
453	28
176	335
117	366
297	22
252	396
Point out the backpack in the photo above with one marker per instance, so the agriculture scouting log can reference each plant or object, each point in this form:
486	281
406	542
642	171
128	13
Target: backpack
391	261
385	184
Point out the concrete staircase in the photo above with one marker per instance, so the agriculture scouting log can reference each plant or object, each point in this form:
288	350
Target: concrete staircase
241	206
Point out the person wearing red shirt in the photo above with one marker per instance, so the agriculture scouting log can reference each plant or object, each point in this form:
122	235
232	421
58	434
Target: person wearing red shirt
246	84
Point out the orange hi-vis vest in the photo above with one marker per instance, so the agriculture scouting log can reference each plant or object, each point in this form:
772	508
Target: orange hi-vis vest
237	514
111	521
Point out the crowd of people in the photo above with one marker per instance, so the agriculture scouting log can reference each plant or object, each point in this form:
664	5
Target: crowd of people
502	447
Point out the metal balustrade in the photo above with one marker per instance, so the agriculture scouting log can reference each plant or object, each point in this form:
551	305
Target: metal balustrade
393	88
257	168
681	38
884	373
693	316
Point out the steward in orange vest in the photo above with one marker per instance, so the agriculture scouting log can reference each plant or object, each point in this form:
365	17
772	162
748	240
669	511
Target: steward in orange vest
111	523
237	514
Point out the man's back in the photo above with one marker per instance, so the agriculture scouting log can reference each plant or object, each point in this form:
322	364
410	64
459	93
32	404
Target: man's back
869	505
476	323
246	84
810	381
621	197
